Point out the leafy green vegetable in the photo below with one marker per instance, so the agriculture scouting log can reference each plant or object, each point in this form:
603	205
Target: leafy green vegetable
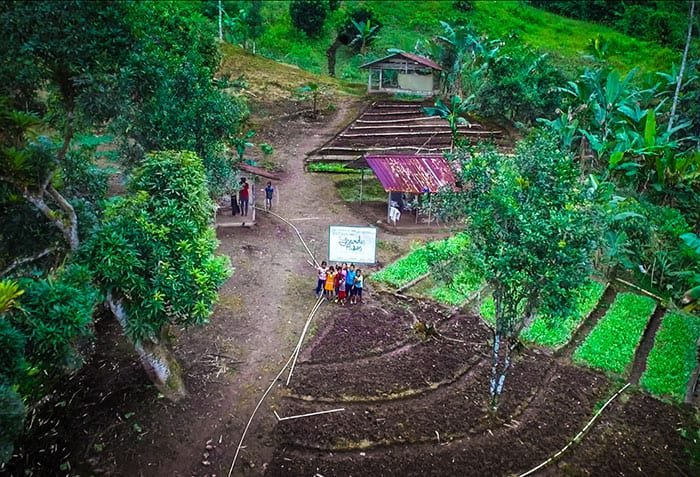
673	358
335	167
418	262
612	343
459	289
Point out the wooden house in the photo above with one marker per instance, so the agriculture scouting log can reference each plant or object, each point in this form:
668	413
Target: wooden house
403	73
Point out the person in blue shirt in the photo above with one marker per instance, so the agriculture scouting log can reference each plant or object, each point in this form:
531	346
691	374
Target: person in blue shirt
269	191
350	282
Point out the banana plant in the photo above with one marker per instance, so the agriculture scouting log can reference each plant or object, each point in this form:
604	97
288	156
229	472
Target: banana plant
453	113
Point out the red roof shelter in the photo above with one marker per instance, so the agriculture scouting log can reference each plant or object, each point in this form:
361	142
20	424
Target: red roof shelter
413	174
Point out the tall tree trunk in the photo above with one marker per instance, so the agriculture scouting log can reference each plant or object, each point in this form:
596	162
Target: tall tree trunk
683	62
330	54
501	358
157	360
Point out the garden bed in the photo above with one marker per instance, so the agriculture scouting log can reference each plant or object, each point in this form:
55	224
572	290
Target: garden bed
418	261
446	430
674	356
612	343
555	333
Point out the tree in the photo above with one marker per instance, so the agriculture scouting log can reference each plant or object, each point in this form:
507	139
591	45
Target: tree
532	230
309	15
356	29
683	62
153	258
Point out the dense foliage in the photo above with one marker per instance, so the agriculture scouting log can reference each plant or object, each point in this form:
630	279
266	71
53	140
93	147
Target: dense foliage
155	248
88	89
612	343
309	16
674	356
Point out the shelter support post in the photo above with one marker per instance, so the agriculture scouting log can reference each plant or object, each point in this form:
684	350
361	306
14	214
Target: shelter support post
388	209
255	203
362	181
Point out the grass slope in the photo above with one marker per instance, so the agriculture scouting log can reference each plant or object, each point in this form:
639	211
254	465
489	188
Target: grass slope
674	356
612	343
406	22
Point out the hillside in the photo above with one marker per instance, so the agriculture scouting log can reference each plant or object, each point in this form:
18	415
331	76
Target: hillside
406	23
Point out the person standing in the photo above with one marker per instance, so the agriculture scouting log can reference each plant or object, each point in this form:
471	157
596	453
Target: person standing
321	279
243	196
350	282
269	191
359	284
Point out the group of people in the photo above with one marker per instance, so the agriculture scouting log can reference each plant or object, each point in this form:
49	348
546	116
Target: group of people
240	206
340	283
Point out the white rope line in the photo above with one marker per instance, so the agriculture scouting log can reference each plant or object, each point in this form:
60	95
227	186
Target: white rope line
301	338
267	391
579	435
294	354
297	232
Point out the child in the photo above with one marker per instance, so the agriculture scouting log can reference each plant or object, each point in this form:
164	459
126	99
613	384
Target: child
330	283
321	279
269	190
341	289
336	281
359	283
350	281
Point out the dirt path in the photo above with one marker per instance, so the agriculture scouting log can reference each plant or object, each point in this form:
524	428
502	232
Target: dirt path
264	305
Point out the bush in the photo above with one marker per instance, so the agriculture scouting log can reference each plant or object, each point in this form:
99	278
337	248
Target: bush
674	356
612	343
309	15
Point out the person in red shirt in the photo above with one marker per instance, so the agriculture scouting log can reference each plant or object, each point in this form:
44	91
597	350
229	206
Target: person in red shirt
243	196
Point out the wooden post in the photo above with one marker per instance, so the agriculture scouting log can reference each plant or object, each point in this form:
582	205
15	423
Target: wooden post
255	185
369	81
388	209
362	181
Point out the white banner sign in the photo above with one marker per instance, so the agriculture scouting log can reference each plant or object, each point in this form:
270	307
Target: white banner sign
352	244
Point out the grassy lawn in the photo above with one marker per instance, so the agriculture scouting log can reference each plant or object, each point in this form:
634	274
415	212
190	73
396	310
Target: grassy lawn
612	343
674	356
406	22
554	333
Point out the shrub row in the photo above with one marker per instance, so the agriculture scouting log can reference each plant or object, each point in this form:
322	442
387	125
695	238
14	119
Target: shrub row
612	343
459	289
674	356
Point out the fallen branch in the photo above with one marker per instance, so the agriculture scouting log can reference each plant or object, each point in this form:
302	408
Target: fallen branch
23	260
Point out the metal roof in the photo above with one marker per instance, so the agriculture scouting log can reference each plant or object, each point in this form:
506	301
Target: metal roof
412	173
421	60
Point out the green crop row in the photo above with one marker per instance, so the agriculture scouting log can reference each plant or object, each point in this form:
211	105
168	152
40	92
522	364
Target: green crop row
334	167
550	332
553	333
459	289
612	343
418	262
674	356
